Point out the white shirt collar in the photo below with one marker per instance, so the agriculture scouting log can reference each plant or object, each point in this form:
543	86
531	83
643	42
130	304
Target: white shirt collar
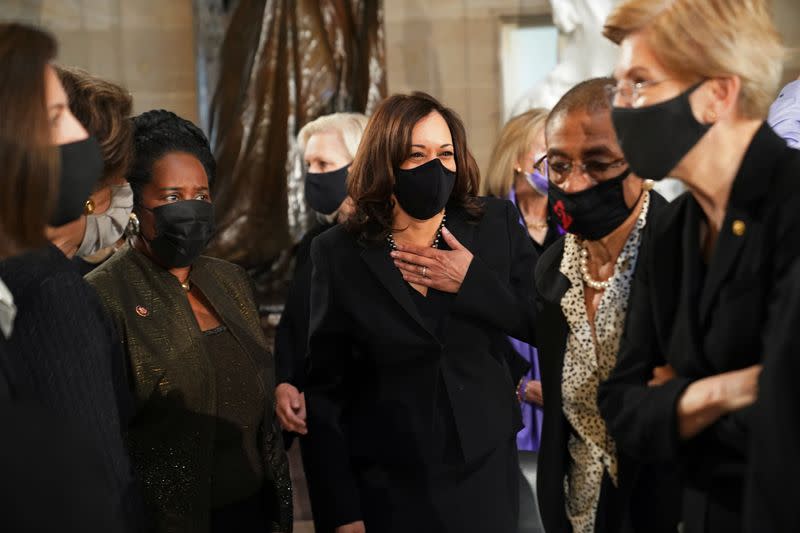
8	311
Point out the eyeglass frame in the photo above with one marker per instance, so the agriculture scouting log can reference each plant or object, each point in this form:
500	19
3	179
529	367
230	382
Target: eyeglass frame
613	90
543	166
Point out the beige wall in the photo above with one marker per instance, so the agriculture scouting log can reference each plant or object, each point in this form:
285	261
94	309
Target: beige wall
450	48
144	45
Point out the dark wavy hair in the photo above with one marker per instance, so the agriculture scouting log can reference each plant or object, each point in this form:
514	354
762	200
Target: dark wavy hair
103	108
384	147
157	133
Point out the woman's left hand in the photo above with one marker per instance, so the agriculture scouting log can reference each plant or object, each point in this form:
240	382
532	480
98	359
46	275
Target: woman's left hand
443	270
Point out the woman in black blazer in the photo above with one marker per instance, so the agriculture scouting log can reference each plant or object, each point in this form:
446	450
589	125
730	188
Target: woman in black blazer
585	485
416	432
716	294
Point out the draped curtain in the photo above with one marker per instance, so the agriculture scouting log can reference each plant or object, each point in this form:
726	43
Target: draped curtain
282	64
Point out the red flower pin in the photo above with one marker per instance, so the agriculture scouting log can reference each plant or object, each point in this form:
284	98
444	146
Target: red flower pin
563	216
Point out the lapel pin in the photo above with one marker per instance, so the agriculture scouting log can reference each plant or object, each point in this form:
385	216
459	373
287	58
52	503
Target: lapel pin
738	228
142	311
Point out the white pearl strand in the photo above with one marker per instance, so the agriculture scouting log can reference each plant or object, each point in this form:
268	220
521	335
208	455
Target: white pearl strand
603	285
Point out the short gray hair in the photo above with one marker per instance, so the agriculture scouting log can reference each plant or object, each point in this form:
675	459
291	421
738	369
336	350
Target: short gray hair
349	126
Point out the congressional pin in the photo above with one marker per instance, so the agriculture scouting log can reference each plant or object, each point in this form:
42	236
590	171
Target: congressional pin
738	228
142	311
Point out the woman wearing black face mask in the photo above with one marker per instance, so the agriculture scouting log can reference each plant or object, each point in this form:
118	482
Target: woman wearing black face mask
329	145
412	413
583	283
717	292
204	439
59	354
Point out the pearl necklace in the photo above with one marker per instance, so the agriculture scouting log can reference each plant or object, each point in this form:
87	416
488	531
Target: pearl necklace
603	285
437	238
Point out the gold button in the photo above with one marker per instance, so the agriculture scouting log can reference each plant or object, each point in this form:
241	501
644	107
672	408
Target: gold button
738	228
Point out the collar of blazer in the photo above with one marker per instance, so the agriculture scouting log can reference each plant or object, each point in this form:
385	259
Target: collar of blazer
380	263
751	186
222	293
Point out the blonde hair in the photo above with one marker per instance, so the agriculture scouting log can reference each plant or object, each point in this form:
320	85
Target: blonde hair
708	39
514	142
349	126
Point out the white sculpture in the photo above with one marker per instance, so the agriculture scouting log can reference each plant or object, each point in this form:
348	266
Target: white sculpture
584	52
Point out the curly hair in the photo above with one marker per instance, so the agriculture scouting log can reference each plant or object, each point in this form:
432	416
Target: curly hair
157	133
103	108
384	146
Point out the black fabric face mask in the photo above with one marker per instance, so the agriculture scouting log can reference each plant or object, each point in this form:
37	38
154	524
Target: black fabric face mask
654	139
81	168
325	191
183	231
592	213
424	191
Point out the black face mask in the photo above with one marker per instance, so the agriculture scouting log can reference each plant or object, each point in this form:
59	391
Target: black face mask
325	191
81	168
424	191
183	231
654	139
592	213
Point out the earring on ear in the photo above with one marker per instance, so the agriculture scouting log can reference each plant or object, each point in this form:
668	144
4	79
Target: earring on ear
711	117
133	225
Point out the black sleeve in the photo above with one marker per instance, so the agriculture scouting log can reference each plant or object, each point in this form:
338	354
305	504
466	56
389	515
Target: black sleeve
508	305
774	467
643	420
518	366
330	350
285	334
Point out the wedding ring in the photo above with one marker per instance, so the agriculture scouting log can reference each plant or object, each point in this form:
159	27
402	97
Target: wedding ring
424	272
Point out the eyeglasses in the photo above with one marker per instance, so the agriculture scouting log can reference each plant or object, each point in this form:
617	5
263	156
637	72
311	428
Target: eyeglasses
558	170
629	94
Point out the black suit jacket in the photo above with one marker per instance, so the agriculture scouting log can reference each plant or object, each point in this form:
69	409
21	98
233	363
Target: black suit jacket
743	311
291	336
359	299
652	507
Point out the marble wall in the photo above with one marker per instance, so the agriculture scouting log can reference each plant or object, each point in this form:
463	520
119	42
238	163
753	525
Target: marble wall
144	45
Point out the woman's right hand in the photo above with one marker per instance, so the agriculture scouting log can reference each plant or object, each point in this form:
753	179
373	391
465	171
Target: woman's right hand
353	527
290	406
708	399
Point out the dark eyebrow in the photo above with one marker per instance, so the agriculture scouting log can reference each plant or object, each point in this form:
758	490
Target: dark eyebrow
423	146
555	152
598	150
181	188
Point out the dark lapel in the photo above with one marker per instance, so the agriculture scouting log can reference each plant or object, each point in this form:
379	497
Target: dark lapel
226	307
380	263
749	189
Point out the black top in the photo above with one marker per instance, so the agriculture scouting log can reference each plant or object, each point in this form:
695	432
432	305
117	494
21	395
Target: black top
291	336
237	472
65	356
649	496
743	311
361	305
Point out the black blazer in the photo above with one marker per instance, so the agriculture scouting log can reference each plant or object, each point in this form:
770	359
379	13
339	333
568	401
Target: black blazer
742	311
653	506
64	355
359	299
291	336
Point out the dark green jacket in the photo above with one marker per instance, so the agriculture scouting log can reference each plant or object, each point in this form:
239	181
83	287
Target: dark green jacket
172	433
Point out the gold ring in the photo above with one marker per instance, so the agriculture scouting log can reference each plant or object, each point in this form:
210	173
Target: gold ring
424	270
